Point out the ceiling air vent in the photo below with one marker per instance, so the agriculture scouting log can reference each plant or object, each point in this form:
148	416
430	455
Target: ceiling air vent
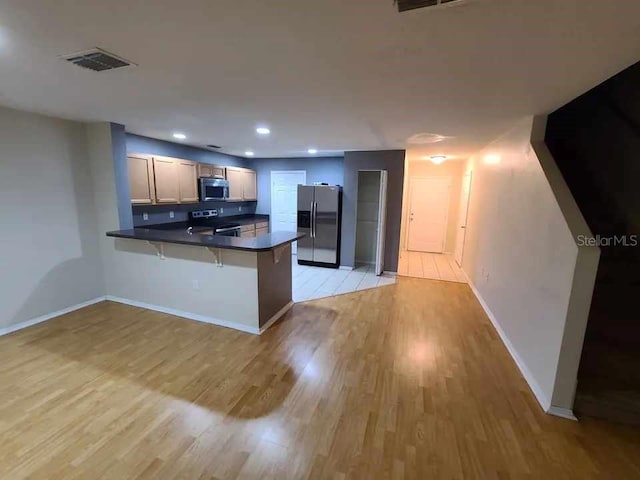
97	60
404	5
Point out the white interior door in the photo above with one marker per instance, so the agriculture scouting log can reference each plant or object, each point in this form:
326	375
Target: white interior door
462	217
284	201
382	223
428	214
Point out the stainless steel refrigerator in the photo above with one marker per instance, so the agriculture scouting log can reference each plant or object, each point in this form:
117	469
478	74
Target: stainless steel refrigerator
319	217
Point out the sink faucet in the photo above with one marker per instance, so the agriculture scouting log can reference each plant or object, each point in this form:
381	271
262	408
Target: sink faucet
190	230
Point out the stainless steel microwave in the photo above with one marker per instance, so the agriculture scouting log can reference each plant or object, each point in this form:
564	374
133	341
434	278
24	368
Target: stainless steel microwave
213	189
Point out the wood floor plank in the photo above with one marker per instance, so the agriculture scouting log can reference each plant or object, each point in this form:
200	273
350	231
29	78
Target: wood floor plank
408	380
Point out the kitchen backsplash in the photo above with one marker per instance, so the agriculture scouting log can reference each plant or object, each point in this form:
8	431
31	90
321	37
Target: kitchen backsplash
162	213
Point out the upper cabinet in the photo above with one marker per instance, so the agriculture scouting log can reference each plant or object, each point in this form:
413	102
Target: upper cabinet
208	170
143	190
166	180
250	185
242	184
188	181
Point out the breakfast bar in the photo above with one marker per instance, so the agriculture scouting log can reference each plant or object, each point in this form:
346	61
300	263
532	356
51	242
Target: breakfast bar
241	283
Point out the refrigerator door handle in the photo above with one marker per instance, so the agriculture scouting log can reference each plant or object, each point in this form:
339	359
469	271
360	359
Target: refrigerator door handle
315	219
312	223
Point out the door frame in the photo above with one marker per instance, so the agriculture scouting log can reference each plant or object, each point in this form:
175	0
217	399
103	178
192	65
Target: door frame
382	216
294	245
382	222
463	222
446	218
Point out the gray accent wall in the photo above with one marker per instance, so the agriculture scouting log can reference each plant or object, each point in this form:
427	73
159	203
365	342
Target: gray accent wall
121	172
319	169
162	213
393	162
153	146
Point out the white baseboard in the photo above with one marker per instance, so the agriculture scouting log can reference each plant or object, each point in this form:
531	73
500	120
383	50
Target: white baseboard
191	316
276	317
345	267
543	400
48	316
562	412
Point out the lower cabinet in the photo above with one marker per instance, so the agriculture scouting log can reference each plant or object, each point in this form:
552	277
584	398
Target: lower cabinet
255	229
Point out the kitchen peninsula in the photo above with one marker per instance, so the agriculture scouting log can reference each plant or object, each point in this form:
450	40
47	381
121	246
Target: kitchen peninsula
237	282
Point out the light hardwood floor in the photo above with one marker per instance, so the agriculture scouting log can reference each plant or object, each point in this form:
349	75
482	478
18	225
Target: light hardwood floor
434	266
403	381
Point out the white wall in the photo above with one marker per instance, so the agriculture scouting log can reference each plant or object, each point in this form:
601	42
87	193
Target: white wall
521	257
48	235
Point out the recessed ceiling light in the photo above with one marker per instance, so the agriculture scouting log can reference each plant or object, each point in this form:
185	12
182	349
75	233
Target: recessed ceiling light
249	153
263	131
313	151
438	159
179	136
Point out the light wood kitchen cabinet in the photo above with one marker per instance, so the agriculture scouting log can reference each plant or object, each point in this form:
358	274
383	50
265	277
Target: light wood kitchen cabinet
141	180
262	231
188	181
166	180
235	177
250	187
242	184
208	170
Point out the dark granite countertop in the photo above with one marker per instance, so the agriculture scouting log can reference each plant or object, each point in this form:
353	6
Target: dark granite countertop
239	219
251	244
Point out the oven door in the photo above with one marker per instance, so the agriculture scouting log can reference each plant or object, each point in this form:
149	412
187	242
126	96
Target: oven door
228	232
213	189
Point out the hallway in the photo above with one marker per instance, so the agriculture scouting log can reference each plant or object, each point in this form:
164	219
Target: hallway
432	266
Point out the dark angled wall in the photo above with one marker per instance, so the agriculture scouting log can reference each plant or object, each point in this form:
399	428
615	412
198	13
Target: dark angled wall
393	162
319	169
595	141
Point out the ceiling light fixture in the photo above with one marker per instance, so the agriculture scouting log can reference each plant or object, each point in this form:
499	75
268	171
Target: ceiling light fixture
312	151
179	136
426	138
249	153
263	131
437	159
492	159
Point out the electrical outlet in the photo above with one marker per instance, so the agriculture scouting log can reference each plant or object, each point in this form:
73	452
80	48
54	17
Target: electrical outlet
240	208
145	216
221	210
196	285
172	214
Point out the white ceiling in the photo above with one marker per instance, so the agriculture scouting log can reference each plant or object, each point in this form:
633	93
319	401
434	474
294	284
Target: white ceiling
333	74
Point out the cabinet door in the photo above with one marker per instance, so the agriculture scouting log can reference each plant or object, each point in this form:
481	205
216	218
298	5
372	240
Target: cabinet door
235	176
250	188
205	170
166	180
188	180
217	171
261	231
248	233
141	180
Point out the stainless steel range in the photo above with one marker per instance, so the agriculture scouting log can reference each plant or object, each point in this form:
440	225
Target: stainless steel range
206	222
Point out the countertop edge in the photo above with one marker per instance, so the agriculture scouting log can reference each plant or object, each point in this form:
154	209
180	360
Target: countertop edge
126	234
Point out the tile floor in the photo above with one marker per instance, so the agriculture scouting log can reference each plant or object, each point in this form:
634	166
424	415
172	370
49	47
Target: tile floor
434	266
310	283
